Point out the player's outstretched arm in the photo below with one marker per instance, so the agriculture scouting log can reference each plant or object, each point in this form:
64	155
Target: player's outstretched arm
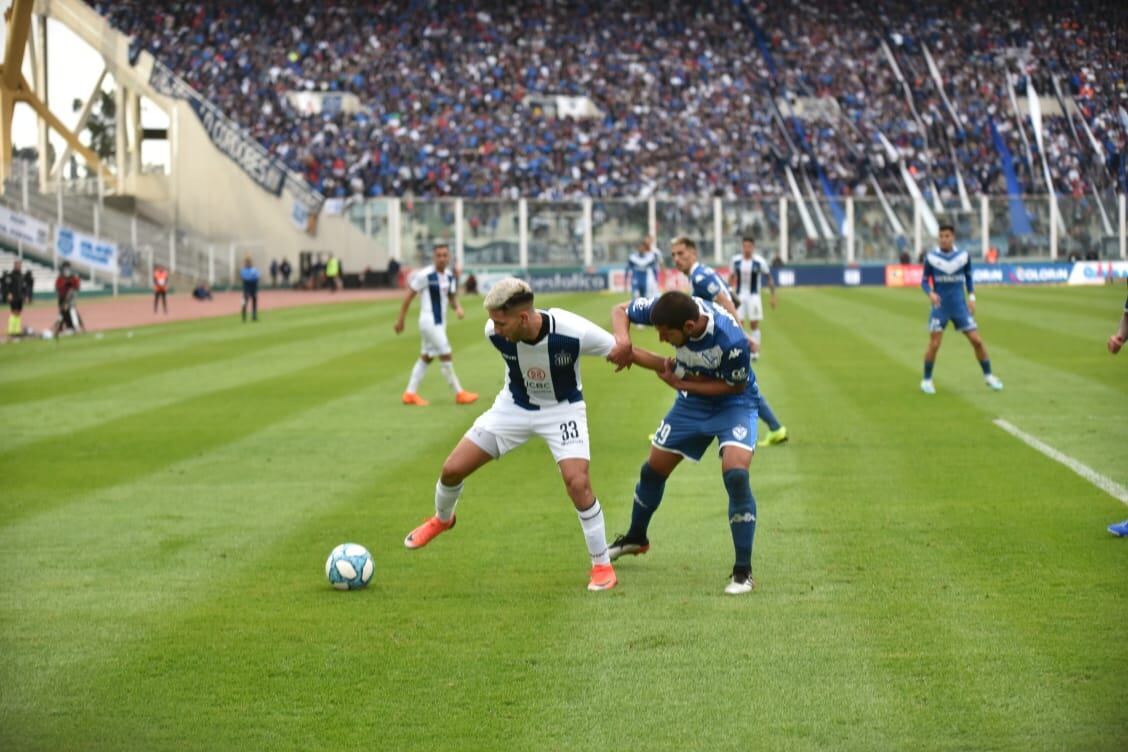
651	361
1117	340
620	353
410	296
703	386
725	301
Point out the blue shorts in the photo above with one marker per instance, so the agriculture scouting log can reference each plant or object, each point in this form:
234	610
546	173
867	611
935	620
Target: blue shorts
960	317
689	428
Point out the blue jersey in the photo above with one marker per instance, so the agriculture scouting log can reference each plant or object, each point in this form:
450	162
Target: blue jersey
721	352
706	283
250	277
947	274
642	268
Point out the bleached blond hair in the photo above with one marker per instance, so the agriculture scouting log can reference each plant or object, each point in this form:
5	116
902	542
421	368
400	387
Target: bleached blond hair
504	291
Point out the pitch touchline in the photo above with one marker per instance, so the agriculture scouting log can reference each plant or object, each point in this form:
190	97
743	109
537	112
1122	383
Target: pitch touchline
1108	485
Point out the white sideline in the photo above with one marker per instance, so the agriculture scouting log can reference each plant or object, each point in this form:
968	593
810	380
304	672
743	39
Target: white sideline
1108	485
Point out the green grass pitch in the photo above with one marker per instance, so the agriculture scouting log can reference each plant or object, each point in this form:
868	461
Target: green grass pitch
927	581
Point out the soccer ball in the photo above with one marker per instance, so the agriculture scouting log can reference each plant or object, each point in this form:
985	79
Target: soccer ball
349	566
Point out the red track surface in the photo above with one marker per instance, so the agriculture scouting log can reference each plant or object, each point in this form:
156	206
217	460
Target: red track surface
129	311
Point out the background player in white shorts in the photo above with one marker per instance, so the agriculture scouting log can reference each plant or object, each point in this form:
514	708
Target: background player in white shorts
436	285
542	397
748	269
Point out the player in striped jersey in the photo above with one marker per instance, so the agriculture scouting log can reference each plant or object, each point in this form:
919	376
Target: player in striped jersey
707	284
747	270
437	285
542	396
947	270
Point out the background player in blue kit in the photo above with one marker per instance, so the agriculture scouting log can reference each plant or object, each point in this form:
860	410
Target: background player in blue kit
708	285
717	399
643	268
947	271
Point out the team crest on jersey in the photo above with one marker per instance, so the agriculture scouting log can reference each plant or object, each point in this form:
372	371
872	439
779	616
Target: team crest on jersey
562	359
740	433
536	374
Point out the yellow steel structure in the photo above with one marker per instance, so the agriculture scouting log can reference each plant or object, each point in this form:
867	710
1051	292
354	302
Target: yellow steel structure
14	88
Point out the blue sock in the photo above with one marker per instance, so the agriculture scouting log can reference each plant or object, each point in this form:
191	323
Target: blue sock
986	366
928	365
767	415
742	516
648	495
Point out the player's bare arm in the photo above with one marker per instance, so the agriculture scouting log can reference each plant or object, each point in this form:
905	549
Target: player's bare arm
398	326
453	297
621	353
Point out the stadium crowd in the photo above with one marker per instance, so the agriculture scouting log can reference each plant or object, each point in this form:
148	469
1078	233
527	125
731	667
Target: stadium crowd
696	98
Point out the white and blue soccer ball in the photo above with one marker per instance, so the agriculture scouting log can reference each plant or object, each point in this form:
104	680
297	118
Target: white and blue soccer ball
349	566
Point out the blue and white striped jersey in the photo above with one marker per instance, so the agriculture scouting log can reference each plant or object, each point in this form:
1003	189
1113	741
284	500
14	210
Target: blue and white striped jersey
643	268
547	372
721	352
434	290
706	283
947	274
747	272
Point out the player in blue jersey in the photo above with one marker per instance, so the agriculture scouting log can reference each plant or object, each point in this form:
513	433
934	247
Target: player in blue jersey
643	268
542	396
250	276
1115	342
947	271
707	284
717	399
437	285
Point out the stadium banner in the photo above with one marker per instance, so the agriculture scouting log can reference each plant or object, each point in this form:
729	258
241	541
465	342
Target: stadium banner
577	280
251	156
1097	272
903	275
88	250
668	279
836	276
909	275
24	229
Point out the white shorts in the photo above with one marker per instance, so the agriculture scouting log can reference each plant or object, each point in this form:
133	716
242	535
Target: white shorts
751	306
434	339
504	427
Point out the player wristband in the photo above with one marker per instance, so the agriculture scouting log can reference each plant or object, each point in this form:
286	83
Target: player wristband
971	296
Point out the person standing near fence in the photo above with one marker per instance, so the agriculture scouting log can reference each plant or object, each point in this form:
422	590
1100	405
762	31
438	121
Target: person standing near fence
250	276
17	290
160	287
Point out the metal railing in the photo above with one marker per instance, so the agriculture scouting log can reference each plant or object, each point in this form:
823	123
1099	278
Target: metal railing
590	232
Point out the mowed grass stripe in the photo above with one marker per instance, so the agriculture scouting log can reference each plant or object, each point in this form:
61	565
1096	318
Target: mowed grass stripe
1063	397
1039	335
247	339
944	581
108	398
122	448
144	552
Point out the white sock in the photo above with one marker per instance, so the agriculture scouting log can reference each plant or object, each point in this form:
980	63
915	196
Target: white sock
448	374
446	497
756	337
417	375
591	520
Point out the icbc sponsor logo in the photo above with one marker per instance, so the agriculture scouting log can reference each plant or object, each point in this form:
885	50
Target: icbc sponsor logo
536	374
